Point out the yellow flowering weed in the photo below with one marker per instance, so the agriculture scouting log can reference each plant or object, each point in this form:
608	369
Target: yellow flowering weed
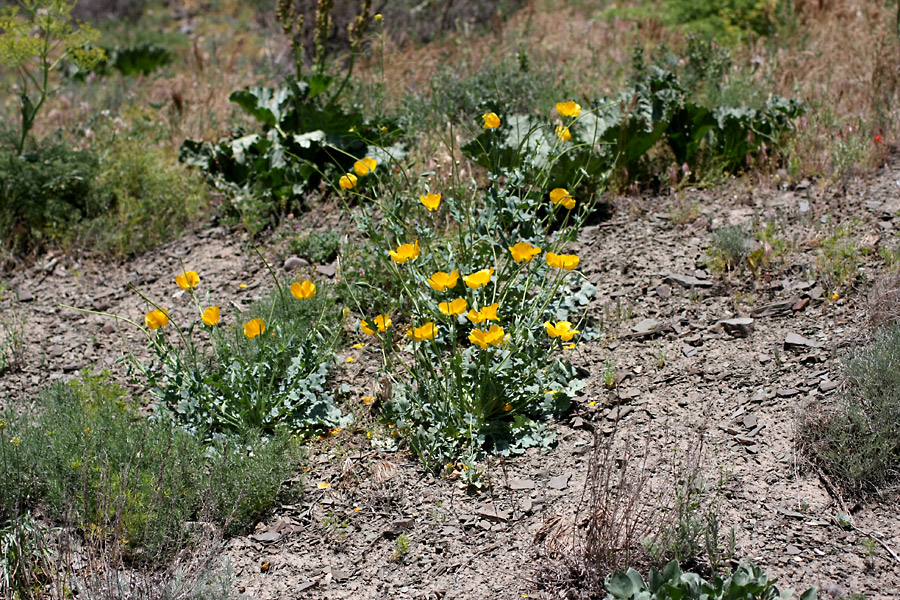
303	291
563	133
562	261
254	327
561	329
562	196
453	308
442	281
348	181
568	109
405	252
211	316
382	322
479	278
488	313
187	280
523	251
365	166
492	337
156	318
431	201
425	332
491	120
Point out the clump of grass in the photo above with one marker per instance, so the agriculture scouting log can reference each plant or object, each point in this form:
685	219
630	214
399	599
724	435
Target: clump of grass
857	441
317	247
884	303
729	248
94	462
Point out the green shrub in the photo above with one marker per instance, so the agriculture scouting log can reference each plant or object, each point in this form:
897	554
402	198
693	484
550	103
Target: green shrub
46	193
319	247
94	461
747	581
857	442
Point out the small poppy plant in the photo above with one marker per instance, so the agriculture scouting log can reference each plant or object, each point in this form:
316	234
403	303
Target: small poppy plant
405	252
303	291
568	109
210	316
453	308
431	201
488	313
188	280
254	327
382	322
348	181
562	330
562	196
491	120
442	281
479	278
425	332
523	251
156	318
492	337
563	133
562	261
365	166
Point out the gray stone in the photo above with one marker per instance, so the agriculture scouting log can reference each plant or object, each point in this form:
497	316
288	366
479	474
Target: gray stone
740	327
686	281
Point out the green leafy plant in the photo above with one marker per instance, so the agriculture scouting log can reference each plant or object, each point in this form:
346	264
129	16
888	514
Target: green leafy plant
747	581
728	249
141	58
306	134
33	43
321	247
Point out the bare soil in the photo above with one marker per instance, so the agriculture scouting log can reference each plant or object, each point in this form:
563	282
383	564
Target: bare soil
689	375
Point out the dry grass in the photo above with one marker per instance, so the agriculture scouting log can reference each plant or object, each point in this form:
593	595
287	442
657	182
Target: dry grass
884	303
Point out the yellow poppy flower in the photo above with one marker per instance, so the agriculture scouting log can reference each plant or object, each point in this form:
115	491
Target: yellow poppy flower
479	278
523	251
456	307
157	318
491	120
507	407
303	291
254	327
441	281
187	280
568	109
405	252
492	337
488	313
365	166
382	322
348	181
431	201
563	133
562	261
425	332
211	316
562	196
562	330
324	485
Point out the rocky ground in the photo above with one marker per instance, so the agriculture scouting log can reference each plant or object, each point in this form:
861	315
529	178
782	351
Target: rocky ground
384	528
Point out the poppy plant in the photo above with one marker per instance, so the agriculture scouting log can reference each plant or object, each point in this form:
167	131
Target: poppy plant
479	278
382	322
523	251
405	252
491	120
254	327
453	308
187	280
488	313
303	291
441	281
210	316
561	196
562	261
365	166
568	109
562	330
563	133
157	318
348	181
431	201
492	337
425	332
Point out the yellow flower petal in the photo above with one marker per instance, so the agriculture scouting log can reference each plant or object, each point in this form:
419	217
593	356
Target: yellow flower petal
491	120
561	329
562	196
324	485
563	133
211	316
425	332
348	181
254	327
365	166
303	291
431	201
562	261
568	109
405	252
479	278
187	280
523	251
157	318
441	281
453	308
